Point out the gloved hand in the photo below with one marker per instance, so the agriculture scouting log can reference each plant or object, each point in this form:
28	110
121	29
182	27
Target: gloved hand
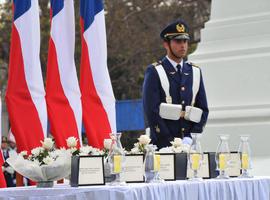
187	140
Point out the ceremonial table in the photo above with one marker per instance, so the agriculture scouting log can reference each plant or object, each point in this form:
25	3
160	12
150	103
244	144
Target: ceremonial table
257	188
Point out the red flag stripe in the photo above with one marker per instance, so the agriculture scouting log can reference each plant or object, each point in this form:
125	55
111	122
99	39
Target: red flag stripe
23	115
62	120
94	115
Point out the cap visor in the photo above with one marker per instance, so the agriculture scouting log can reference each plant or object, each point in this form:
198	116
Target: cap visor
181	37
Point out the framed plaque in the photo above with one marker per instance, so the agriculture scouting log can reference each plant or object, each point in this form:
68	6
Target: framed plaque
234	169
167	167
204	170
134	171
87	170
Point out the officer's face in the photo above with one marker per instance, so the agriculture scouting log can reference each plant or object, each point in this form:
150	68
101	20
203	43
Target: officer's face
177	48
4	145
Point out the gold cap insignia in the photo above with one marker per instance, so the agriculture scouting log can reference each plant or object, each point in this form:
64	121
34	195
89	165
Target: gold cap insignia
180	28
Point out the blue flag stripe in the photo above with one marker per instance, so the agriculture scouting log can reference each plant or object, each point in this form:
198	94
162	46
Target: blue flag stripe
21	7
88	10
56	6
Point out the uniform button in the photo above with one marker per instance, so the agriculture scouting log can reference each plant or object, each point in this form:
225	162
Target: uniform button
183	102
183	88
183	129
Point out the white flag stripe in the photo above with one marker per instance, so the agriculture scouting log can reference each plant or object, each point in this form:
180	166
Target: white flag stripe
63	36
30	44
96	41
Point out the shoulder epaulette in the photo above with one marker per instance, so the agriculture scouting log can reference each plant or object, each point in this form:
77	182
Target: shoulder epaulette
188	62
156	63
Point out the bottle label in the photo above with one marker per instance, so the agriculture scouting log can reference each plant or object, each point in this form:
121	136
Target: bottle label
245	161
117	164
195	161
157	163
222	161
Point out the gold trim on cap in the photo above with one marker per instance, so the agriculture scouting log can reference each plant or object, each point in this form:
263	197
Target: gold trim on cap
173	34
180	28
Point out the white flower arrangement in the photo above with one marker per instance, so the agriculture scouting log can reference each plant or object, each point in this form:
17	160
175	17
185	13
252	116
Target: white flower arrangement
85	150
45	163
107	143
89	150
47	143
144	140
72	142
41	155
140	147
177	147
177	142
23	153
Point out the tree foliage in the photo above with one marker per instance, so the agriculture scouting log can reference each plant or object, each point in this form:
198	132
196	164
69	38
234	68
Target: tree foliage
133	28
5	30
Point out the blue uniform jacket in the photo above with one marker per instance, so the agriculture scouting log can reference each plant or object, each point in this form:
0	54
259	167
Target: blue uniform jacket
163	131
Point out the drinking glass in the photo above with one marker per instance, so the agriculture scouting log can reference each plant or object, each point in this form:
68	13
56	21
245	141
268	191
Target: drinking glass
152	165
116	160
245	156
195	156
222	156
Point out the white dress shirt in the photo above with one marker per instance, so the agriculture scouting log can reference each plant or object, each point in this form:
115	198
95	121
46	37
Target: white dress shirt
174	64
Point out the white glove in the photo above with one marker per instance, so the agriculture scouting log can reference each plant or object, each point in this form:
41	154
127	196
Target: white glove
3	168
187	140
9	170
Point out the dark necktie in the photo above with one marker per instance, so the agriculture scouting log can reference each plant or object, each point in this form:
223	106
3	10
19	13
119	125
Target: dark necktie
178	69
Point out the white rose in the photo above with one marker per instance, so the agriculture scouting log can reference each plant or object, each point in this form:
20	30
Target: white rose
185	148
177	149
136	144
166	150
107	143
48	160
96	152
85	150
23	153
72	142
144	139
73	149
177	142
47	143
135	150
55	154
36	151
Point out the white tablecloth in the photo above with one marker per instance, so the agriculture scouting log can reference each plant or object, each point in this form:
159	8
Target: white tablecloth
233	189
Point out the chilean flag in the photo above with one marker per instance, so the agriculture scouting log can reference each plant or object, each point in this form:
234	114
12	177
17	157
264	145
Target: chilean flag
25	95
2	177
63	94
97	95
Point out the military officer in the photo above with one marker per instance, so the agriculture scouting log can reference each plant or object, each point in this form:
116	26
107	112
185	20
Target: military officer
180	77
8	171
